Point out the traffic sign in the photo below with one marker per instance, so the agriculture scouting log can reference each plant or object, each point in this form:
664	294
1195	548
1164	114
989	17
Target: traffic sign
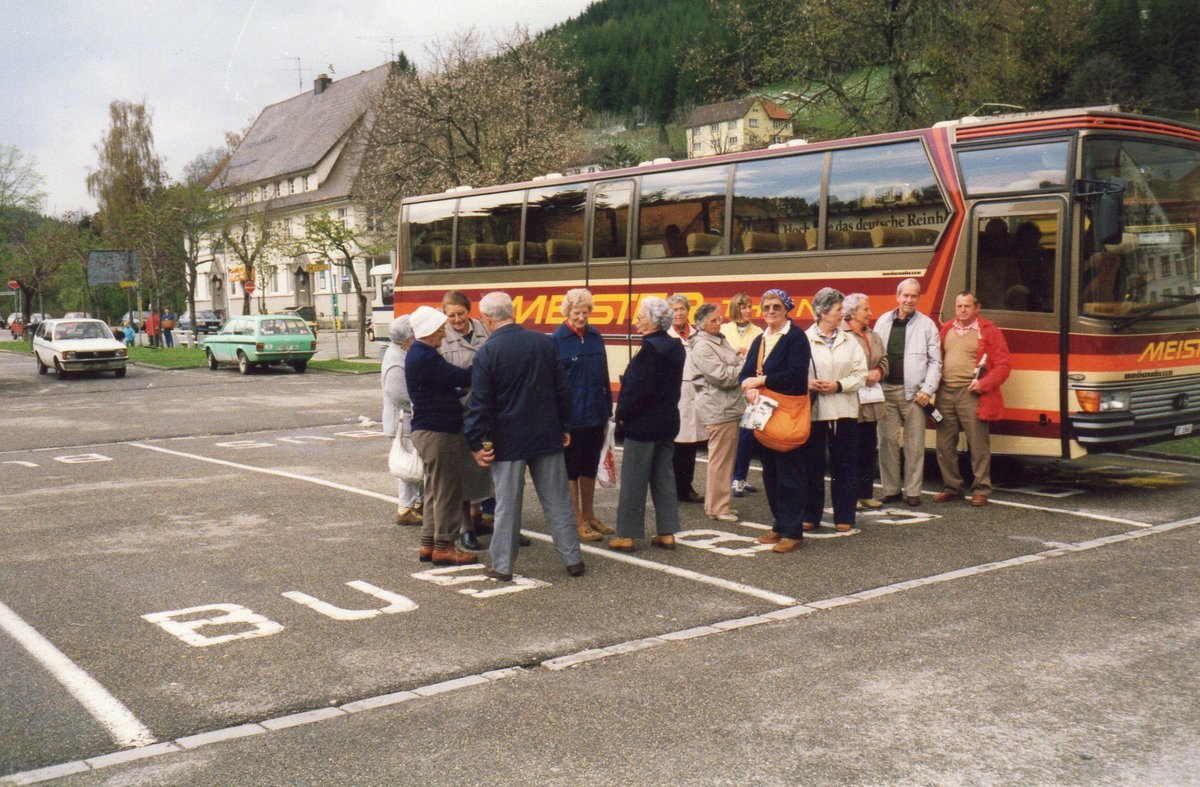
13	284
249	287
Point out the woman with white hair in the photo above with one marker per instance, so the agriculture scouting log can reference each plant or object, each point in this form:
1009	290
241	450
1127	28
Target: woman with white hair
648	418
839	368
581	353
397	412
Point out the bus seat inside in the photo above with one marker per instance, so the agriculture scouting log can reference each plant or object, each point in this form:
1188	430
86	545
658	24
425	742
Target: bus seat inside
561	250
700	244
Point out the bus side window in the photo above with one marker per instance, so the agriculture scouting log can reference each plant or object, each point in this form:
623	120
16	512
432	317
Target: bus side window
430	227
554	224
883	196
679	209
776	203
610	220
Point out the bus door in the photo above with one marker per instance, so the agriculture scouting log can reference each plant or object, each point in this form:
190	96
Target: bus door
610	264
1017	271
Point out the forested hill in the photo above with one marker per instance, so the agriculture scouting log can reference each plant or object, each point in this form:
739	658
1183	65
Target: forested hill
629	53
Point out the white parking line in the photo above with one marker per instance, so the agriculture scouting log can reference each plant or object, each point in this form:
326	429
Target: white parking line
684	573
122	725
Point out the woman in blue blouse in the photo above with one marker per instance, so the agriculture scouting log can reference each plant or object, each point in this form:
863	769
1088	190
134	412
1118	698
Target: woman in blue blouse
581	352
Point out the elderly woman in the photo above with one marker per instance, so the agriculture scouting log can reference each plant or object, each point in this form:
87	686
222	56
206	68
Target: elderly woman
648	417
716	368
434	388
464	336
397	412
840	366
778	360
581	353
691	431
856	310
741	333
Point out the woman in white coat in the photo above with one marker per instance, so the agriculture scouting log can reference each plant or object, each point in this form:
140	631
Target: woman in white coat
839	367
691	431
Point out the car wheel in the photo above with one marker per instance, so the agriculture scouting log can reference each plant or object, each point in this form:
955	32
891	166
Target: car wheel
42	368
244	365
59	370
119	372
212	360
299	366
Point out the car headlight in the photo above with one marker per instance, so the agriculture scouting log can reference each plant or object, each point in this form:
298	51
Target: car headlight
68	355
121	353
1103	401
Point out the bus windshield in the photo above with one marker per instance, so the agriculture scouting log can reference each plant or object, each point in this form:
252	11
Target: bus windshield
1152	272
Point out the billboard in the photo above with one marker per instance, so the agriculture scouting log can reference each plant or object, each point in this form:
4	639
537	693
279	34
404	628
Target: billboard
120	266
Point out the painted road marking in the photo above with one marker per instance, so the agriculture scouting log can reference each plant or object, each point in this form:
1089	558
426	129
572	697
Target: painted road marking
227	615
123	727
558	663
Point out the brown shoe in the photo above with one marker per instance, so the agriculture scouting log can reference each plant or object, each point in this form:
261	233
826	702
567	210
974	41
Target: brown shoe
587	534
946	495
788	545
913	500
843	528
491	573
621	544
663	542
425	554
769	538
979	500
407	516
808	527
453	556
600	527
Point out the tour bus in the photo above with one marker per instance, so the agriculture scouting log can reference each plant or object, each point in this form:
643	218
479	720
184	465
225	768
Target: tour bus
1076	229
381	279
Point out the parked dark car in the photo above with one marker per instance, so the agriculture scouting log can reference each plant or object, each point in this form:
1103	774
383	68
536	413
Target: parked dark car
207	321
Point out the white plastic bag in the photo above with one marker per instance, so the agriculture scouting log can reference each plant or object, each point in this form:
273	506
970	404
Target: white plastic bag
606	473
403	461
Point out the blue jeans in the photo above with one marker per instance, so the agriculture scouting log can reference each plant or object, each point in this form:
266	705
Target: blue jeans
746	448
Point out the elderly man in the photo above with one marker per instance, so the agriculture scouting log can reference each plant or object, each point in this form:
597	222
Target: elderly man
914	369
518	417
976	365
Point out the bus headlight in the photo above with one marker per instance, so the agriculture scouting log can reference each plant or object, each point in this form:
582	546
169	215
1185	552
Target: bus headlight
1103	401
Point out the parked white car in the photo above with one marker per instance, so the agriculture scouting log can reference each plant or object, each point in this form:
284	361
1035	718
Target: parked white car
77	346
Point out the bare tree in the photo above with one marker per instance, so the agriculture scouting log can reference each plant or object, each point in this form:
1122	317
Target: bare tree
250	236
20	183
130	171
476	117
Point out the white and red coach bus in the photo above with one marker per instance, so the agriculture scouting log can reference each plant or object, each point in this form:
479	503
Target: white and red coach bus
1077	229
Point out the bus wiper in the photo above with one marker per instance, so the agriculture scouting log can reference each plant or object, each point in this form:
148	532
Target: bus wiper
1179	300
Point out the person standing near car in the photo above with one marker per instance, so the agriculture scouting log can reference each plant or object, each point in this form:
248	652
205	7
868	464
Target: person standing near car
168	327
152	327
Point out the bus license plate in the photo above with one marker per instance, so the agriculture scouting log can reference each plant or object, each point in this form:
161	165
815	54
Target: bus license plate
1183	429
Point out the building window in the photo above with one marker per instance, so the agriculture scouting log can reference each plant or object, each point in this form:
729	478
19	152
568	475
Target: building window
753	122
374	220
277	190
264	192
732	142
306	183
697	145
341	216
291	185
715	128
731	124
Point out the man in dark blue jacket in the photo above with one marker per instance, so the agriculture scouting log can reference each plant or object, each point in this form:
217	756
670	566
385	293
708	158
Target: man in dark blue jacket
518	417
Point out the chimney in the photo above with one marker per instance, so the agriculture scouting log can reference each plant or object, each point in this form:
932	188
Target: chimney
320	83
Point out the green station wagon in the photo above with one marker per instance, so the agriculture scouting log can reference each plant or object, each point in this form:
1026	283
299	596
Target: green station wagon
261	340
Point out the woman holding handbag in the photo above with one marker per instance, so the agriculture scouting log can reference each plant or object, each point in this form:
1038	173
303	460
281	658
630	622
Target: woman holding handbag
397	413
777	363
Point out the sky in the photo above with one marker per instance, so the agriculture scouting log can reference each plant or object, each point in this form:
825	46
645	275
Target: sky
202	67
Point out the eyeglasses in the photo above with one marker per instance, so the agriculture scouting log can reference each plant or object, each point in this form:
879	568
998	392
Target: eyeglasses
773	307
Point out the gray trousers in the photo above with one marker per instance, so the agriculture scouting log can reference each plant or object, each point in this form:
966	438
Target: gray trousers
645	464
549	475
901	415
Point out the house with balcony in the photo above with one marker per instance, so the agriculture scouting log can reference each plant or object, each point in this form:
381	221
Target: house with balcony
299	158
744	124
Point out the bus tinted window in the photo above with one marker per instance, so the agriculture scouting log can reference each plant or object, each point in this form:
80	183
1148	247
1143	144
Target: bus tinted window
610	220
554	225
1011	169
883	196
430	233
683	213
775	204
487	224
1014	262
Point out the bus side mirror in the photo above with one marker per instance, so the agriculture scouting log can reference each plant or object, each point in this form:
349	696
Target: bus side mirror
1108	199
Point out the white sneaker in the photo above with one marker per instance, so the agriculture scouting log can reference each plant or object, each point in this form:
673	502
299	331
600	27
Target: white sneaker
738	488
730	517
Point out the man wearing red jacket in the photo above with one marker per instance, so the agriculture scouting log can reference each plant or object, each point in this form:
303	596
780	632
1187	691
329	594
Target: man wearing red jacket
974	366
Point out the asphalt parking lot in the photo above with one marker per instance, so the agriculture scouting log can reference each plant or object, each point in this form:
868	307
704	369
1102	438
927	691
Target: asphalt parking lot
198	556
